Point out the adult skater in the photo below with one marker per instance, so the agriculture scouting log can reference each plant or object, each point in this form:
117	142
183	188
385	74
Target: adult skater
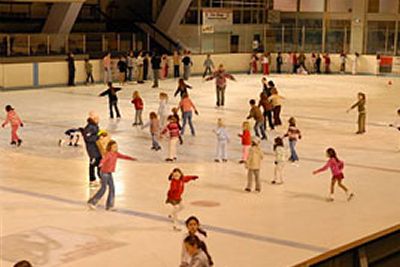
208	66
107	68
266	104
279	63
318	62
90	136
156	66
111	92
355	63
71	69
130	60
220	77
176	58
187	65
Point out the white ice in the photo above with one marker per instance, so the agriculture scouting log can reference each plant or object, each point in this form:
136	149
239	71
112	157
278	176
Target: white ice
44	187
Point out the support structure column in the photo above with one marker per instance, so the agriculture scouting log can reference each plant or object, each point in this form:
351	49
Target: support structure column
172	14
358	24
62	17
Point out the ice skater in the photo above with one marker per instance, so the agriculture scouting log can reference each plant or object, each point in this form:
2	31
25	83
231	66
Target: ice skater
163	109
193	226
276	101
15	121
245	137
336	167
253	165
107	165
174	195
182	88
178	121
187	107
362	112
154	125
208	66
111	92
222	142
396	124
73	136
293	134
220	77
256	114
137	101
267	105
103	139
280	160
198	256
173	129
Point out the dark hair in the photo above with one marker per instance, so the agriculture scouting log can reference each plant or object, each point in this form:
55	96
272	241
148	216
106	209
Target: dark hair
23	263
109	84
278	141
292	121
364	97
194	218
193	240
9	108
398	111
271	83
332	153
175	170
252	102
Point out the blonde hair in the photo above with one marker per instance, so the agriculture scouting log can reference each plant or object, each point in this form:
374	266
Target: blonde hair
135	94
220	122
246	125
163	95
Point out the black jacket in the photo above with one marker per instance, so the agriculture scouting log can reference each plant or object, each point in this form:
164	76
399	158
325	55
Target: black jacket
71	63
90	136
111	93
156	62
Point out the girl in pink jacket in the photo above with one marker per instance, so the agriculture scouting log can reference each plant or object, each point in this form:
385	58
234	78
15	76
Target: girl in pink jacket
15	122
336	167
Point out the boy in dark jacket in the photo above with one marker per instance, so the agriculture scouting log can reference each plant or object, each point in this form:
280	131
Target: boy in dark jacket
111	92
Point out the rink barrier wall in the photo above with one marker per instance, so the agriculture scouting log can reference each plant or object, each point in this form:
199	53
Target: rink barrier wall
21	75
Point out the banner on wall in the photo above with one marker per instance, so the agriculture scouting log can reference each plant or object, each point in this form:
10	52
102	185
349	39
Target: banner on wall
217	16
207	29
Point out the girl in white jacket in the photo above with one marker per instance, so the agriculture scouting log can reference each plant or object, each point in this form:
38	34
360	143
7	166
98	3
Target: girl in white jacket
163	110
222	142
280	159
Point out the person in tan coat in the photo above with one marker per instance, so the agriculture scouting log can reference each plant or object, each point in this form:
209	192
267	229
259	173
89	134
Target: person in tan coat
102	142
253	165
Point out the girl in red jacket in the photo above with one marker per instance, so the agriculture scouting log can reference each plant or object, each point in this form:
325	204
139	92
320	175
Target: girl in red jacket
15	122
246	141
174	133
174	195
137	101
107	167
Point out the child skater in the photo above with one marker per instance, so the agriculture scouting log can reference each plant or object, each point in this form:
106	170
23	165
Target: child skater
258	117
193	225
198	257
246	141
107	165
182	88
336	167
173	129
174	195
280	159
102	142
208	66
253	165
163	109
293	134
15	122
72	134
137	101
362	112
396	124
222	142
154	125
187	107
178	121
111	92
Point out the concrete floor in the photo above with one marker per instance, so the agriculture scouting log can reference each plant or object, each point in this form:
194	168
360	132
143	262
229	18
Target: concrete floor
44	187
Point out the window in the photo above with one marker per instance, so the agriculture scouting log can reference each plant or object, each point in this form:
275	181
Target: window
340	6
380	37
338	36
388	6
286	5
312	5
373	6
311	30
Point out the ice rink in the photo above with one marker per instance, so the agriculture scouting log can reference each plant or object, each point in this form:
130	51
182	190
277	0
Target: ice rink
44	187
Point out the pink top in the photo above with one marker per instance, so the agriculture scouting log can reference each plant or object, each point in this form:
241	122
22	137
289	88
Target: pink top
12	118
187	105
173	129
220	77
107	62
109	162
335	165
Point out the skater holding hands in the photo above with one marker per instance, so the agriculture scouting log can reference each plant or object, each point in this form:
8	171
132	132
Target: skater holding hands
174	196
336	167
15	121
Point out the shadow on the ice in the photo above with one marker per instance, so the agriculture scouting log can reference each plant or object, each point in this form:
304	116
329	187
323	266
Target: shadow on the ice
305	196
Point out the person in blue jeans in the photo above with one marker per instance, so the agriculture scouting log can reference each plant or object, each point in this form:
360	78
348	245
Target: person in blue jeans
187	107
294	135
108	164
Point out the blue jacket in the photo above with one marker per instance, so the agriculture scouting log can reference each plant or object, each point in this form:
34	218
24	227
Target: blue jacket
90	136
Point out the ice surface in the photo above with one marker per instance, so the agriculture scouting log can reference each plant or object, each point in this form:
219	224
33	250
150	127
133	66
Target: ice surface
44	187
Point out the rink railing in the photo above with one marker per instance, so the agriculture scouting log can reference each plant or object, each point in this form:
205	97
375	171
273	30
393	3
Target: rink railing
382	247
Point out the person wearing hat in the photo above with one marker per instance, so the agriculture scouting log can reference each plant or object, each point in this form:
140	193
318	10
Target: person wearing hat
102	142
253	165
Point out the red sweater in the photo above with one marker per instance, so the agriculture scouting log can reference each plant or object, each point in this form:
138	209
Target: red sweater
138	102
12	118
246	138
177	186
109	162
173	129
